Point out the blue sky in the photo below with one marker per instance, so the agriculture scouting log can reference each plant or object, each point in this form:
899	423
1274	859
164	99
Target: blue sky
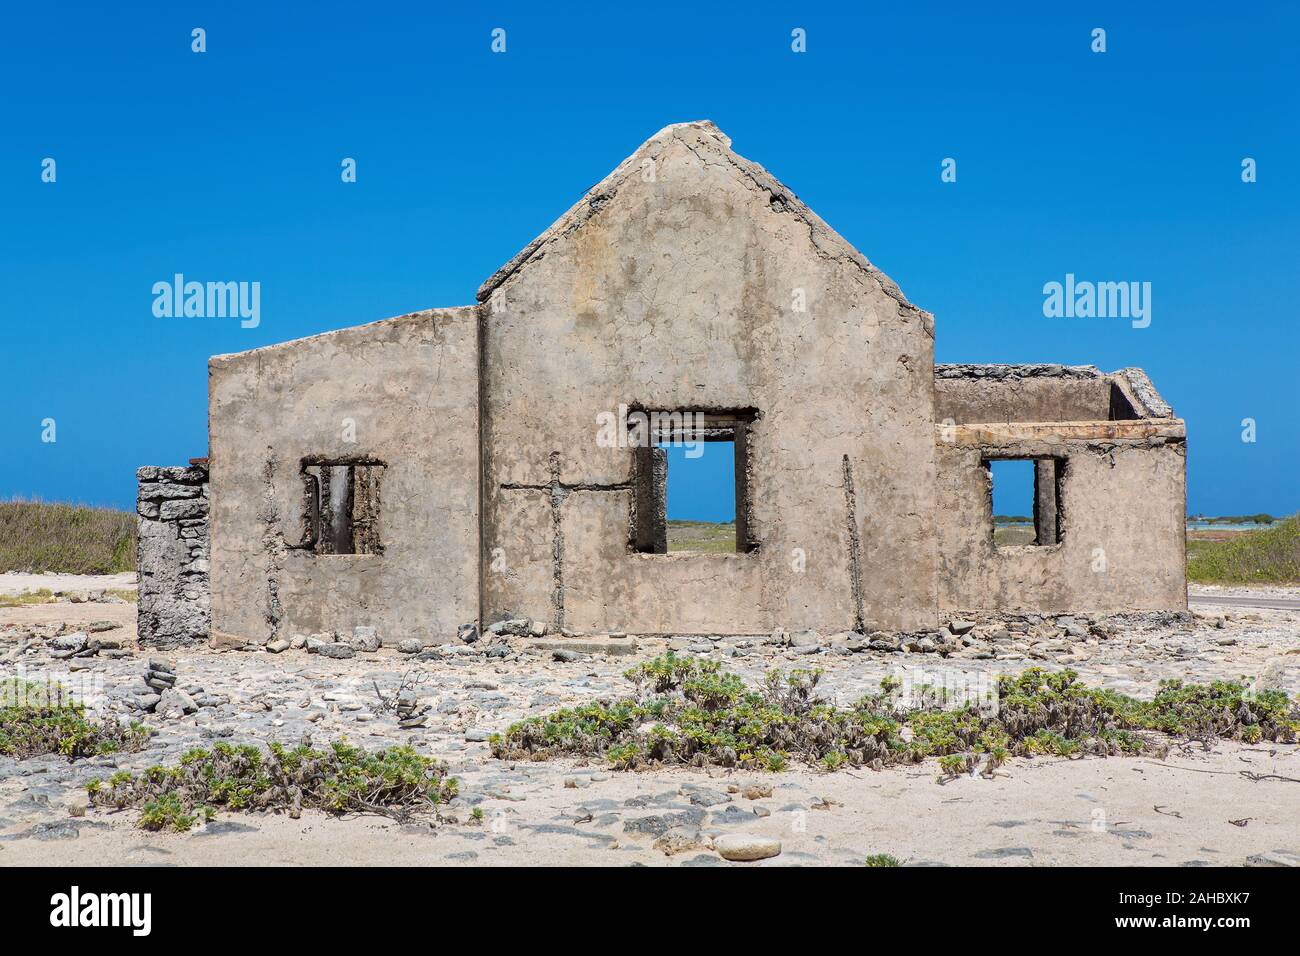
1122	166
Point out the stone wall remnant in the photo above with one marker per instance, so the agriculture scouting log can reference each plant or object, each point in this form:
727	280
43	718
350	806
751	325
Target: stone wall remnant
172	521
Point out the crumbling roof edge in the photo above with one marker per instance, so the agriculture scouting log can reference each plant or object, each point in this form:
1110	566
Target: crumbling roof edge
1132	381
469	311
693	135
1141	387
1026	370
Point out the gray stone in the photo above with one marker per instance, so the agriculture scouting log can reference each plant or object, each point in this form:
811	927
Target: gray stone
175	703
410	645
276	646
678	840
189	508
658	824
337	651
805	638
364	639
1287	858
69	642
704	859
61	830
1005	852
467	633
704	797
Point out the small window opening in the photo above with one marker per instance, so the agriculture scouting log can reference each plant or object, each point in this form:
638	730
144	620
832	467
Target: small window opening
1026	501
341	507
701	497
690	481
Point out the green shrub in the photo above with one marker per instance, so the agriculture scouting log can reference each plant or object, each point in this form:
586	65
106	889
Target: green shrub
37	719
690	712
396	782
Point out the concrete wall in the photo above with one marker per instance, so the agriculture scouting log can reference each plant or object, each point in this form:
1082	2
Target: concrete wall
1025	393
406	391
688	279
672	285
175	606
1122	518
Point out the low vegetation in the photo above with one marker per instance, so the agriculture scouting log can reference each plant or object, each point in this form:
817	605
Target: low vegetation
1005	536
687	711
25	598
1268	556
396	782
1261	518
36	536
38	719
706	536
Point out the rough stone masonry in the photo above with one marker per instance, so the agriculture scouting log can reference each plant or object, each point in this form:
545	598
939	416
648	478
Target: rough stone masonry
443	467
172	522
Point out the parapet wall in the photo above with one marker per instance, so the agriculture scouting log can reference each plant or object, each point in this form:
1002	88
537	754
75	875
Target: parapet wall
175	598
976	394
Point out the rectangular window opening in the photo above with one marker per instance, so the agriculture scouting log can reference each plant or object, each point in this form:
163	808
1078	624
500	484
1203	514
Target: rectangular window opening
690	482
341	506
1026	501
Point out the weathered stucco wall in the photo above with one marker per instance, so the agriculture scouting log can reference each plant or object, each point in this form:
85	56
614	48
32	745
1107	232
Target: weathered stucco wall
687	280
403	392
1122	506
673	285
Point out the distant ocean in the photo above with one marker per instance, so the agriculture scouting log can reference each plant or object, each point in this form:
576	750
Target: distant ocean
1191	525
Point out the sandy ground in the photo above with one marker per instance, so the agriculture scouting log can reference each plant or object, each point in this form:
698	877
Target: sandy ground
1121	811
15	582
1276	596
1134	812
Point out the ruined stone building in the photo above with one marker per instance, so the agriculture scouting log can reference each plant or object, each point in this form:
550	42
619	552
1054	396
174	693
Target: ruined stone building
444	467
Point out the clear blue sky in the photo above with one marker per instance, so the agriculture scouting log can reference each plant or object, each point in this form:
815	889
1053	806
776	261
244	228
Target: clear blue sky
225	165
